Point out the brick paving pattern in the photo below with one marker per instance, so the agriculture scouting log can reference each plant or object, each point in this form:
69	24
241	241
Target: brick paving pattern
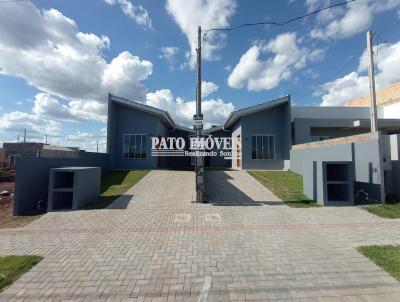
155	244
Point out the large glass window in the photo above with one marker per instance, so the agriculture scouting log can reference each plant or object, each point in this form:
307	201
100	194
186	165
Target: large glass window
135	146
263	147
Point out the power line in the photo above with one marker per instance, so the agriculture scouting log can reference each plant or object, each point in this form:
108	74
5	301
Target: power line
274	22
377	35
385	29
10	1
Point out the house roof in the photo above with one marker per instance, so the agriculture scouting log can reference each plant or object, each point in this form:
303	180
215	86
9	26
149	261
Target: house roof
236	115
183	128
231	120
60	148
162	114
213	129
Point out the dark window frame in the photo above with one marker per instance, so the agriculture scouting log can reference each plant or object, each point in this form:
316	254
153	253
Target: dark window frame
261	147
134	146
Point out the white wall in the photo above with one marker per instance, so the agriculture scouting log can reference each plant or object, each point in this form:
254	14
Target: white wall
391	111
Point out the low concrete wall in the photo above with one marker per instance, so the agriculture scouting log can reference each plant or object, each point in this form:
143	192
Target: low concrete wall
32	177
364	152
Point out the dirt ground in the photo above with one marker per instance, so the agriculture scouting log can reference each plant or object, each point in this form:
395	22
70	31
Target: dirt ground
7	220
6	203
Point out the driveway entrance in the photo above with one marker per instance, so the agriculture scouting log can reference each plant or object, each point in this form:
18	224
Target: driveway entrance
245	245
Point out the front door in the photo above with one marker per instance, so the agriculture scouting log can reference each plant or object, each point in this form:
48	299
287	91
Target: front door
238	152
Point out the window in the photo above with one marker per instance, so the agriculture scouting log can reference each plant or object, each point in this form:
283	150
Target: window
135	146
263	147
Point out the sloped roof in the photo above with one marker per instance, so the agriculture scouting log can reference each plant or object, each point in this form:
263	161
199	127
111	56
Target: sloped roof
232	118
183	128
213	129
236	115
162	114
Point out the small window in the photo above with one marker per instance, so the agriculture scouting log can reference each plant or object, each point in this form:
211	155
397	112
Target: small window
263	147
135	146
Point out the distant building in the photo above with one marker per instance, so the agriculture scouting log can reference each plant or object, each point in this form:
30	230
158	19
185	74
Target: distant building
388	101
13	150
2	155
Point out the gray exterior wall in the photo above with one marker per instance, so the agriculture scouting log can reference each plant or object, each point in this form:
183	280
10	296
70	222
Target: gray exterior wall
182	162
218	161
124	120
32	177
83	186
305	128
274	121
312	112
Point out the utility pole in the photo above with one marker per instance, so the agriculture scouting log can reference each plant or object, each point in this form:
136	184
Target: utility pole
198	126
371	75
198	103
18	138
25	135
97	146
46	138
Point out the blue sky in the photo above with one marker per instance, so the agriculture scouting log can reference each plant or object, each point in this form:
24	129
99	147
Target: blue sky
59	59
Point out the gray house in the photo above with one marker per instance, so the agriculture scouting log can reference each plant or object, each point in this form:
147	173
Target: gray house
264	133
129	130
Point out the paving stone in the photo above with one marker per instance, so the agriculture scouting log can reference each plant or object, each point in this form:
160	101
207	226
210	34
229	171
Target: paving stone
161	246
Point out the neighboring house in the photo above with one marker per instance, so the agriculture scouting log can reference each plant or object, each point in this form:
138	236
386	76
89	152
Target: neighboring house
384	97
13	150
388	101
2	155
265	133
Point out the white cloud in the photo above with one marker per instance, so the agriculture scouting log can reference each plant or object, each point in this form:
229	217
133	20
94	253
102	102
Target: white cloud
228	68
137	13
207	13
168	52
84	140
257	74
47	50
45	105
356	84
208	88
344	23
20	120
215	110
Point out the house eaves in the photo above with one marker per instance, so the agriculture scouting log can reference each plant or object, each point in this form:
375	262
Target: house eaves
162	114
183	128
213	129
237	115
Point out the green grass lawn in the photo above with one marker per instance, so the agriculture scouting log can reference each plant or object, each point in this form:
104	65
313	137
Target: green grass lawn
114	184
12	267
287	186
391	209
385	256
385	210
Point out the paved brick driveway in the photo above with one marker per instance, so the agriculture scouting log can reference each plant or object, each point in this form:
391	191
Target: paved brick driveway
156	245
